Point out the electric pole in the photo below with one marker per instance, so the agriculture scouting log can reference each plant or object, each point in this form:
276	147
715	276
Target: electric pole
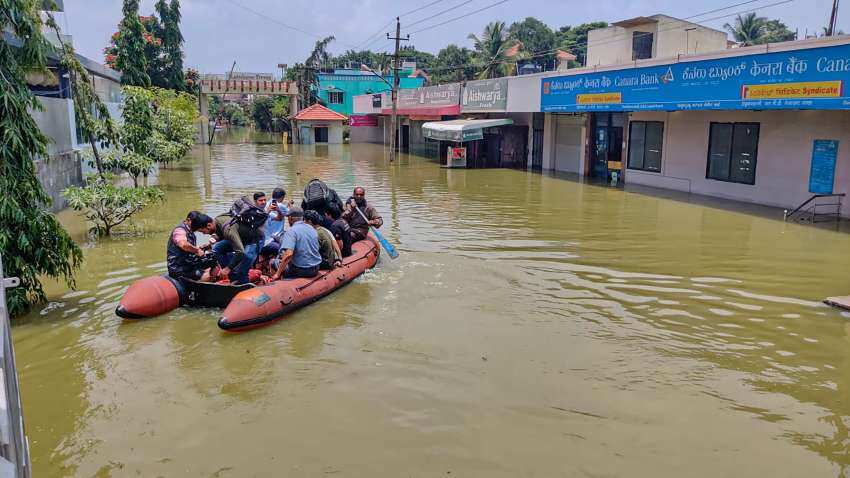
394	95
830	30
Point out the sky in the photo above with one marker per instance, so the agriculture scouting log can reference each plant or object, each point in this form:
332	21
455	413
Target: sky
218	32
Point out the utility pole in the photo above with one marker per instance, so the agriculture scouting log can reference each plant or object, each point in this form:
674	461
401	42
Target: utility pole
831	28
396	67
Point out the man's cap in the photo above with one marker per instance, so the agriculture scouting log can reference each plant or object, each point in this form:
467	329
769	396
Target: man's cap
278	193
295	211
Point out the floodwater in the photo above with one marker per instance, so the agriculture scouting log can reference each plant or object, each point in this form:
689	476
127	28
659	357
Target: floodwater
532	326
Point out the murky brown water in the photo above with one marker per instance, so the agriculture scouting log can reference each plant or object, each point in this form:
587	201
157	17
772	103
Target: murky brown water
532	326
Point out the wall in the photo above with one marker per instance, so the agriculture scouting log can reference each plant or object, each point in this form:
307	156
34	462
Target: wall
613	45
367	134
61	171
362	104
524	94
358	84
56	121
783	159
334	131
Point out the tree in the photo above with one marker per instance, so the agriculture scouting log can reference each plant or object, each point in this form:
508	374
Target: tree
130	59
537	38
574	39
108	205
491	50
33	243
269	113
748	29
308	81
375	61
423	59
775	31
453	64
172	42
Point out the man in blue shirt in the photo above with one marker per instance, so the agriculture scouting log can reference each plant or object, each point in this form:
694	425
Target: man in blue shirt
277	210
300	255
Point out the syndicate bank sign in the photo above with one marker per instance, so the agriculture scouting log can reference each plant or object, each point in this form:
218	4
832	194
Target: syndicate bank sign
813	78
484	95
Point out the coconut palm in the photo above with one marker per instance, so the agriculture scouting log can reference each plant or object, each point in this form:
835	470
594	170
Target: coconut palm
491	50
748	29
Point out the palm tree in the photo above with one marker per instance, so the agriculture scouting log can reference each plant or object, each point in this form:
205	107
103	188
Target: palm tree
308	82
748	29
491	50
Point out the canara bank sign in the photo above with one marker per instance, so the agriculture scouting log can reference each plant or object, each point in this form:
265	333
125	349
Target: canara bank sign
813	78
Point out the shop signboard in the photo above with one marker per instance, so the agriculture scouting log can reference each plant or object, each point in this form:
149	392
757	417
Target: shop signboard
454	135
485	95
813	78
362	120
429	96
822	173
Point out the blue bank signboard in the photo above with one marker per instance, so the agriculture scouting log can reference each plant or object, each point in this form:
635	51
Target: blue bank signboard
814	78
822	173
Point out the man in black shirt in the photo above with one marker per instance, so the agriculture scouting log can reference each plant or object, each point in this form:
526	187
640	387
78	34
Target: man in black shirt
333	222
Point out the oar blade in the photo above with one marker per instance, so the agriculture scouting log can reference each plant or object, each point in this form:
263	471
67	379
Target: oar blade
385	244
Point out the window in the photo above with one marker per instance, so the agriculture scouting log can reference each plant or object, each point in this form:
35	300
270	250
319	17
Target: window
645	138
732	152
641	45
335	97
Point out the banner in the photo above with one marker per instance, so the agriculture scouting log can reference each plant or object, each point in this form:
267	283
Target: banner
822	172
814	78
362	120
429	96
485	95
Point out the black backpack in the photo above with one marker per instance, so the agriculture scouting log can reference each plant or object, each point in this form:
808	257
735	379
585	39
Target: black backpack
245	212
318	196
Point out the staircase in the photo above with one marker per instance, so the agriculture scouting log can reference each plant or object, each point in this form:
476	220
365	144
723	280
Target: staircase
818	208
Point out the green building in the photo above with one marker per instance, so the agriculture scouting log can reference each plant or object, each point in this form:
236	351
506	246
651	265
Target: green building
338	89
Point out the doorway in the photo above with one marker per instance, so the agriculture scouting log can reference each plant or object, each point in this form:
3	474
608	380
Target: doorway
607	143
320	134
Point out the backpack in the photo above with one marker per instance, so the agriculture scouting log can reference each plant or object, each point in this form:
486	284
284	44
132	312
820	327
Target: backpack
245	212
318	196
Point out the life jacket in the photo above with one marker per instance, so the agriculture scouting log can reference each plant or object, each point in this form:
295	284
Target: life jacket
245	212
177	259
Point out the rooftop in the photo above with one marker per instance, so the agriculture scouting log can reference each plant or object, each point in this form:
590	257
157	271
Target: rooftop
318	112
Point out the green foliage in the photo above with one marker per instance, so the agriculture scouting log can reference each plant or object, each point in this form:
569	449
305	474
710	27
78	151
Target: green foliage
448	66
172	42
574	39
234	114
490	51
269	113
376	61
33	243
775	31
423	59
108	205
538	40
308	81
748	29
130	58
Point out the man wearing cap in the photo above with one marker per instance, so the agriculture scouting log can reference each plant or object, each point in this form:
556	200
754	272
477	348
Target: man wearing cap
299	247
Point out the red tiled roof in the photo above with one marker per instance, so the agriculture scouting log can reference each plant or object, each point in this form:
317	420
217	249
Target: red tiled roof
565	55
514	50
318	112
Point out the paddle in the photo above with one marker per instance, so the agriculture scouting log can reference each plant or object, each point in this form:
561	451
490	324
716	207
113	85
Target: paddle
384	243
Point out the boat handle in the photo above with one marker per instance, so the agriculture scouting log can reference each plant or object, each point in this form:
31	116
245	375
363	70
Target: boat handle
286	301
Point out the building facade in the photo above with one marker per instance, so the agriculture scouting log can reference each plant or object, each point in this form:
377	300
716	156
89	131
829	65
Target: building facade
338	89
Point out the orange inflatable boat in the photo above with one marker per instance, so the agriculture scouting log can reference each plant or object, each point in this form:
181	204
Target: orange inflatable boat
158	295
262	305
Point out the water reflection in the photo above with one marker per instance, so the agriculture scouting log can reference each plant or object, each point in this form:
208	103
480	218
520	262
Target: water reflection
530	322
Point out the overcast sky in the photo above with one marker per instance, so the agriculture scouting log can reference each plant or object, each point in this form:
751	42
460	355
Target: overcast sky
218	32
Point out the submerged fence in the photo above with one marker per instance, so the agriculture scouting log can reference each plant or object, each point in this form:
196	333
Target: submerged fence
14	449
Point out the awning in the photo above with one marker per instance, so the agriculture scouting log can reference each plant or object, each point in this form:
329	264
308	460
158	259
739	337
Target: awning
461	130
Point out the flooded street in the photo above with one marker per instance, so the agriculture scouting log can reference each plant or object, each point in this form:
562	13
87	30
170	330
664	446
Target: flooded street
532	326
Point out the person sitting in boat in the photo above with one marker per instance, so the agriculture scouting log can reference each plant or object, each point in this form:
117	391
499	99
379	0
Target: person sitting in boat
359	225
240	236
183	256
340	229
299	247
328	247
318	196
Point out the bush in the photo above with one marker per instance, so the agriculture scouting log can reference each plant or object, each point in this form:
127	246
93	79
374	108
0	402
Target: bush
108	205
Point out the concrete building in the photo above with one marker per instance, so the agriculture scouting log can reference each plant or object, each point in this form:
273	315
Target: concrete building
319	125
63	166
337	89
656	36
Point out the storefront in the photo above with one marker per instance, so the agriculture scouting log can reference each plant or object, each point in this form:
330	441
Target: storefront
416	106
765	127
478	143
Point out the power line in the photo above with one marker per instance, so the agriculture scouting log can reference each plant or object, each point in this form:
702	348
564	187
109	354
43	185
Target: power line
460	17
375	36
278	22
440	13
423	7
